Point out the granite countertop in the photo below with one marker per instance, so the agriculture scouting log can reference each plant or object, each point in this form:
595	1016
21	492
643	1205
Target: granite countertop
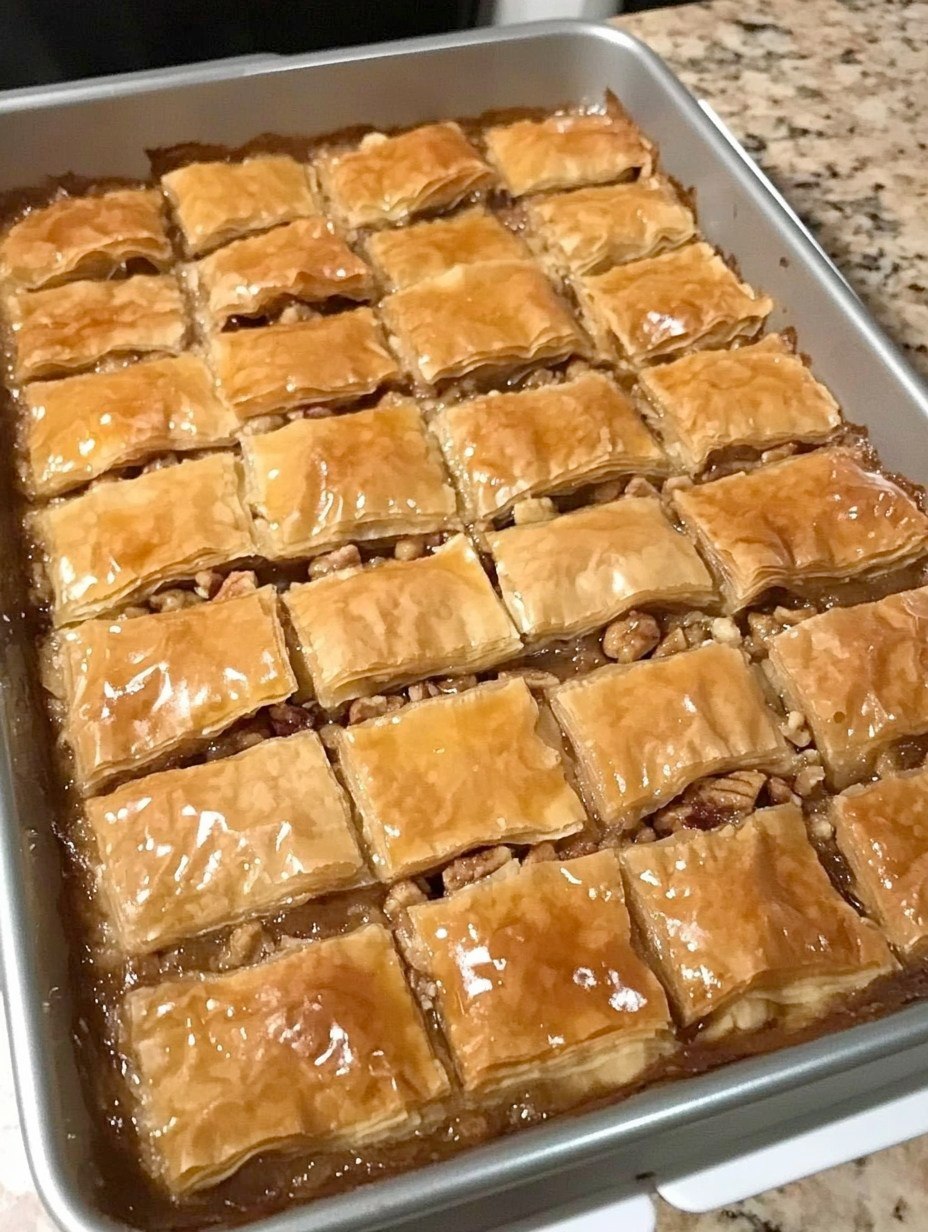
825	95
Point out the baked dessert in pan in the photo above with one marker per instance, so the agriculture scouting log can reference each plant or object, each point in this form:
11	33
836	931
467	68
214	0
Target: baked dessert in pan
487	673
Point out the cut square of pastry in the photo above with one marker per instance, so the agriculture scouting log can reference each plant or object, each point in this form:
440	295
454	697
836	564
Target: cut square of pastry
565	151
86	237
683	299
138	691
448	774
860	677
306	260
373	474
643	732
755	397
329	359
817	518
186	851
882	831
743	925
497	316
409	254
578	571
506	446
318	1048
121	541
74	326
369	628
590	229
538	982
80	427
390	179
218	202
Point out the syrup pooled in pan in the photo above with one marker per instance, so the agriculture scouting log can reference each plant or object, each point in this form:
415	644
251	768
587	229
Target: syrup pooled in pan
287	982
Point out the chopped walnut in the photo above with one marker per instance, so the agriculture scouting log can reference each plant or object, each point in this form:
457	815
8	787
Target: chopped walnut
245	944
364	708
821	828
673	643
676	483
712	801
421	691
603	493
807	780
533	509
329	734
645	834
285	718
765	625
780	792
631	638
259	424
795	729
777	454
639	486
409	548
723	629
401	896
173	600
133	610
207	583
581	844
160	463
296	312
455	684
534	677
467	869
347	557
542	854
242	582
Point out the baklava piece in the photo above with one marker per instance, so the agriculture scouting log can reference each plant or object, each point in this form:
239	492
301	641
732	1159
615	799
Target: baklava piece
744	927
86	237
382	626
591	229
448	774
305	261
538	984
391	179
326	360
497	317
74	326
817	518
186	851
119	542
687	298
218	202
882	830
410	254
318	1048
578	571
643	732
137	691
510	445
374	474
859	675
565	151
756	397
82	426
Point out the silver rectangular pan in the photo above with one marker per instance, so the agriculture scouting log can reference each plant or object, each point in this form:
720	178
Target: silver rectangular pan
102	128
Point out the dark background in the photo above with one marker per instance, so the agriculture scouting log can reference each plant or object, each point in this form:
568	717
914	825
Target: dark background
58	40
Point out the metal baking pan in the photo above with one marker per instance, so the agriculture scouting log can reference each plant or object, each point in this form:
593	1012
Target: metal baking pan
103	128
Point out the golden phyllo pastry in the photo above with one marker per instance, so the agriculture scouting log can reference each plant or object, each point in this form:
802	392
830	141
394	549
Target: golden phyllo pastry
118	542
409	254
817	518
452	773
882	831
217	202
575	572
591	229
86	237
66	328
319	1047
493	317
368	628
390	179
82	426
185	851
538	983
564	151
755	397
744	926
662	305
510	445
305	260
643	732
326	360
860	677
373	474
136	691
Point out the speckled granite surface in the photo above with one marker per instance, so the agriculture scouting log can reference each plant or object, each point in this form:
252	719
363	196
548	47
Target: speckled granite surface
830	97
